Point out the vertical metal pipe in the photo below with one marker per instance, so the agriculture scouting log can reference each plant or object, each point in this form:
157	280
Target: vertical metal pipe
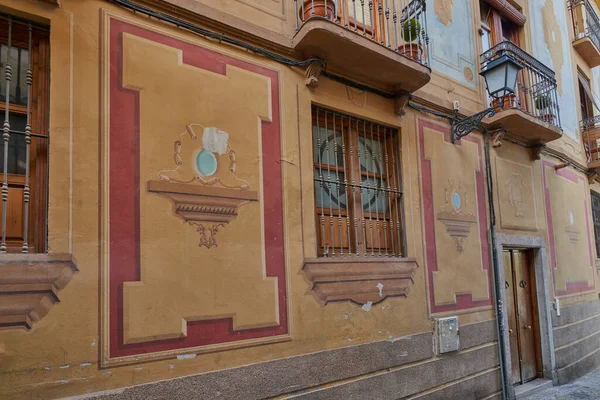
396	178
27	145
497	287
353	188
296	8
6	136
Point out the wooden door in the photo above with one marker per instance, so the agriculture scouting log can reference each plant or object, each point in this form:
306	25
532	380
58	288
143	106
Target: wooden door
521	308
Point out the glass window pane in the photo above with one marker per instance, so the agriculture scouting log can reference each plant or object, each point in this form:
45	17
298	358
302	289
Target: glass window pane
330	194
19	59
371	155
16	146
374	198
327	146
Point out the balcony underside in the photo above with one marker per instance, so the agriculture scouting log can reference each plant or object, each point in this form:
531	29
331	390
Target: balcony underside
588	51
523	127
359	58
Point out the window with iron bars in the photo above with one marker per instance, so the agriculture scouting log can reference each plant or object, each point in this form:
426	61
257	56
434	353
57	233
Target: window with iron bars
24	86
358	193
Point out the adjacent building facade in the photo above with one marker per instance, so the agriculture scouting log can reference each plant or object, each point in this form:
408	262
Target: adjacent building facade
265	198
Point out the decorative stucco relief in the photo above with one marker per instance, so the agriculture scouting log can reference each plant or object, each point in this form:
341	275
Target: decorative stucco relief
516	202
195	168
455	220
194	147
569	233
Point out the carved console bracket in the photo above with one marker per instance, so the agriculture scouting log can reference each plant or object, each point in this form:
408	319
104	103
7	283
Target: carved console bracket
593	176
400	104
29	286
205	207
536	151
497	138
361	280
313	72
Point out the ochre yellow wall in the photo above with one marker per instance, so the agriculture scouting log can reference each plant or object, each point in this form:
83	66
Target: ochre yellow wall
65	353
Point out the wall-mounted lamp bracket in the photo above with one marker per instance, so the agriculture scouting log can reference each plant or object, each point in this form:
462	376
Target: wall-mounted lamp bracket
461	127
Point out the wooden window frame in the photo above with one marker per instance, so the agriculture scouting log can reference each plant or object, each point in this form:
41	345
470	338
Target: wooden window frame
38	149
364	227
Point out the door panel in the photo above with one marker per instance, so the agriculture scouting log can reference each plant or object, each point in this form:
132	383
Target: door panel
515	376
525	316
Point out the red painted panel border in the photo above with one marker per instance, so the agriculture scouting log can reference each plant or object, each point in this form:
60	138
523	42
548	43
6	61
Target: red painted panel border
124	207
572	287
463	301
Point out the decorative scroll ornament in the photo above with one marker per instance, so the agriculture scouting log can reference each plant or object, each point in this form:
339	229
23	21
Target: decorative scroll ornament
517	194
201	195
462	127
458	224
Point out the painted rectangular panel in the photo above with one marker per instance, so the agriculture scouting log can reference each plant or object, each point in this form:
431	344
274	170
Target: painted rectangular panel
516	202
450	27
193	213
455	221
568	217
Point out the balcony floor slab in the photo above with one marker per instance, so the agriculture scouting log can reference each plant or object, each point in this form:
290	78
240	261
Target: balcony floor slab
588	51
523	127
359	58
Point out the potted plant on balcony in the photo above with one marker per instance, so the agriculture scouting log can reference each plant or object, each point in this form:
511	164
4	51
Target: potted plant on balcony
410	32
543	104
505	102
318	8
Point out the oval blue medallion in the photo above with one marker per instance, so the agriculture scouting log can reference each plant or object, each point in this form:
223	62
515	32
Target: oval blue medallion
456	200
206	162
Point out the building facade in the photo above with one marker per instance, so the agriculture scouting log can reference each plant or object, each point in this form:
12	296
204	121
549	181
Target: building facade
251	199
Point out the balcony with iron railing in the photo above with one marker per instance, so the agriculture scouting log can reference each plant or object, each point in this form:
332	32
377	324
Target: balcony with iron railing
590	136
379	43
530	115
586	31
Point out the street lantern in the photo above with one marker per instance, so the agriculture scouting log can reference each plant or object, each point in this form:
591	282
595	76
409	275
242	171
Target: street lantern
500	80
501	76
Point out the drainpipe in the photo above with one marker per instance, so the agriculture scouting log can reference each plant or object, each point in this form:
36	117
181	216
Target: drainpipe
497	287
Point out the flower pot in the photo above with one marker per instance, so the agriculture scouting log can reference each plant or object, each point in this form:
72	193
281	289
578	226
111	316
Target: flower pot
548	117
412	50
320	8
509	101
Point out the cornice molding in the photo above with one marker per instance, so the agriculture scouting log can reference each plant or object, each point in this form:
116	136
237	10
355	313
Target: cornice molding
361	280
29	286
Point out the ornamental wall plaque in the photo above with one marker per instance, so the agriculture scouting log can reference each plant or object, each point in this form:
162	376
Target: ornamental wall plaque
199	196
458	224
571	229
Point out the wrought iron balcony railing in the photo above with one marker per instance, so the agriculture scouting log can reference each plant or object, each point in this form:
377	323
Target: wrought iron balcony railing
399	25
590	136
585	21
536	91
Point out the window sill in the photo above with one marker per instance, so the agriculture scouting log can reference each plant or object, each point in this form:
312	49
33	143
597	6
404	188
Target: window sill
361	280
29	286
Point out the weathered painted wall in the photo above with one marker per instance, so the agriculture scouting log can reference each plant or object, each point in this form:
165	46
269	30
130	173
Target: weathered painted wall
157	298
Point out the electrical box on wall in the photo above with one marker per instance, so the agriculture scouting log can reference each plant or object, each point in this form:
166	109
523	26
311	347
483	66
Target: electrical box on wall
447	335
